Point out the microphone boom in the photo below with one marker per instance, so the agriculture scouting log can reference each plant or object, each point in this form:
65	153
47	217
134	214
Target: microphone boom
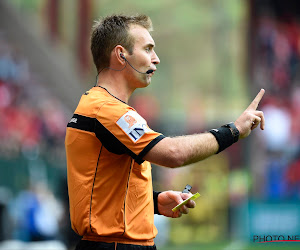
147	72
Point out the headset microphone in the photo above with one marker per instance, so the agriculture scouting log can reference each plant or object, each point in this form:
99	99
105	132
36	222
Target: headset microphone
147	72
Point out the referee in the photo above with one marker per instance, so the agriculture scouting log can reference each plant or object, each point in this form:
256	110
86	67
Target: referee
109	146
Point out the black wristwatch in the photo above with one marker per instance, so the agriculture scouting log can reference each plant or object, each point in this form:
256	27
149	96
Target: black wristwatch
234	131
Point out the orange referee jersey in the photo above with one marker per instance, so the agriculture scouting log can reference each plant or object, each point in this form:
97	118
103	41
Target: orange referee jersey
109	183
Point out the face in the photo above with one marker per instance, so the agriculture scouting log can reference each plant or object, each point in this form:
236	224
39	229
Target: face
143	57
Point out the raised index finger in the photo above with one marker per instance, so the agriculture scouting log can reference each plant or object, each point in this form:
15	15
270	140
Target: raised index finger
255	102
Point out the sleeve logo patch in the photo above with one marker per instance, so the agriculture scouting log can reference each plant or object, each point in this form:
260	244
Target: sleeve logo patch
130	120
133	125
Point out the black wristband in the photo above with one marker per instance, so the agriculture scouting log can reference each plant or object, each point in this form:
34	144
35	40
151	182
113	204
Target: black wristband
234	131
224	137
155	196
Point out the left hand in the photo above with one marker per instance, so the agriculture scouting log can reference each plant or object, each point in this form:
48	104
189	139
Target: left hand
251	117
170	199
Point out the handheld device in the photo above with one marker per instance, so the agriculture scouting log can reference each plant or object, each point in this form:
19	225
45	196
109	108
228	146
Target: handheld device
193	197
187	189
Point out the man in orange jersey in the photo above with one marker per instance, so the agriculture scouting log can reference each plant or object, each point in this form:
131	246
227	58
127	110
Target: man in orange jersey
109	145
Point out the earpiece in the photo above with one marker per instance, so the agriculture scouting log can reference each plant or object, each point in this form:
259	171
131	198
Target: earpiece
122	56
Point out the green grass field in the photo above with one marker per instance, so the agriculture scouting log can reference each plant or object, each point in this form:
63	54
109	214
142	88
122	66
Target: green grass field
235	246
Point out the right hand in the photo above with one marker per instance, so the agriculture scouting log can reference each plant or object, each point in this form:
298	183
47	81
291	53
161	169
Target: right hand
169	199
251	117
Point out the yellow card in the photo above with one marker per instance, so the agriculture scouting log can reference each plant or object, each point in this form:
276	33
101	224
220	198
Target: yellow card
193	197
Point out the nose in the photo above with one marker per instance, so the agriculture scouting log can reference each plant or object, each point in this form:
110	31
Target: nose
155	59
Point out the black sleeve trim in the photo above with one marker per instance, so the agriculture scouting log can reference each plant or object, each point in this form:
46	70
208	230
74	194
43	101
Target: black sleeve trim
139	158
155	196
110	142
82	123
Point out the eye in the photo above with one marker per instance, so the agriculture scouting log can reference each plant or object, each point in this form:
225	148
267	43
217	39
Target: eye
148	49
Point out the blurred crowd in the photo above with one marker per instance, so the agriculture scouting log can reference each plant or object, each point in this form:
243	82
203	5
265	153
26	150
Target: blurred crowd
32	128
276	64
31	119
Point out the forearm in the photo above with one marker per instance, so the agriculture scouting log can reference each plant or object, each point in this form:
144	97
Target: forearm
183	150
194	148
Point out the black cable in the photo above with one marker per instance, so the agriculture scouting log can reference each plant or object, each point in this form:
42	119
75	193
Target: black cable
108	68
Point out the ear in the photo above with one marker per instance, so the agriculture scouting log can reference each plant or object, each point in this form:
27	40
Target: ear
120	53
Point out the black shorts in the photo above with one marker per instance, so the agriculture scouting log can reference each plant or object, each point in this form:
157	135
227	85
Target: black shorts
94	245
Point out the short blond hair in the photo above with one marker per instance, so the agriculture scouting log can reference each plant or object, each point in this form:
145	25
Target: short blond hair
111	31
